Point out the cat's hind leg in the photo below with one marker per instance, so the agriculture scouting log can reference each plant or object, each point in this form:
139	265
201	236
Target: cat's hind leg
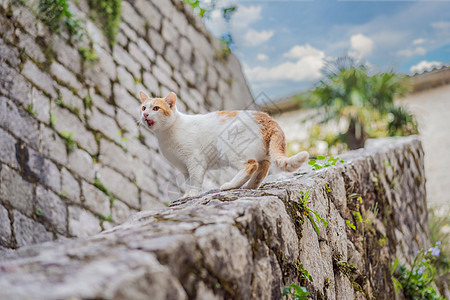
242	176
259	175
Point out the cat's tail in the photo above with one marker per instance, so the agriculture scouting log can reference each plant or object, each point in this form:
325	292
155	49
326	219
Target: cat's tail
277	151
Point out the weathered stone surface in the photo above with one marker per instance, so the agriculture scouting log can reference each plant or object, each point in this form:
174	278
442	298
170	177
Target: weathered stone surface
8	149
52	209
119	186
104	124
95	199
81	163
5	229
18	121
69	186
82	223
239	244
42	169
16	191
28	231
39	78
52	145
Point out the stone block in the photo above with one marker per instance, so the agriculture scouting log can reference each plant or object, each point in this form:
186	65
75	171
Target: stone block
126	80
82	223
121	39
52	145
188	73
163	65
39	78
165	80
96	35
67	123
125	101
180	22
40	105
146	49
128	123
66	54
41	169
26	18
151	84
151	14
106	62
172	56
145	179
28	231
5	226
53	209
114	157
139	56
169	33
9	53
185	50
69	186
201	43
122	57
96	76
80	162
119	186
18	121
95	199
120	212
104	124
156	41
212	77
102	104
16	191
71	101
31	48
63	75
133	19
8	149
13	85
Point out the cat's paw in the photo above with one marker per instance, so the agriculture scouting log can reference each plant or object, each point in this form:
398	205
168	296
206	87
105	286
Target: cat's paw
226	186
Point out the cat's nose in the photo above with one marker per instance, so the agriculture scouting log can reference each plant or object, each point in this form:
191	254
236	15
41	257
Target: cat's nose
145	115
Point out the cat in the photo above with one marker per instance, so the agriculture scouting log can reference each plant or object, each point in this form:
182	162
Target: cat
247	140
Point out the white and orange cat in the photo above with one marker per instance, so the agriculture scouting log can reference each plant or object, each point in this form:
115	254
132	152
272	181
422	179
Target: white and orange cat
246	140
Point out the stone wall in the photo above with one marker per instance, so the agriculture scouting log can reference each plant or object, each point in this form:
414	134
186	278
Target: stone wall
249	244
71	154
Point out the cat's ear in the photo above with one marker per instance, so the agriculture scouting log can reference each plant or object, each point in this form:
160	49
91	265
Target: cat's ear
171	99
143	96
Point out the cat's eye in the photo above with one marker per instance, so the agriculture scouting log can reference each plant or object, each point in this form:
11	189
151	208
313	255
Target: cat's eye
156	108
143	108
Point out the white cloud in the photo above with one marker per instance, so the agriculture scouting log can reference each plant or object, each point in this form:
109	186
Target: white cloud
306	68
412	52
362	44
245	16
443	25
425	65
255	38
302	51
418	41
262	57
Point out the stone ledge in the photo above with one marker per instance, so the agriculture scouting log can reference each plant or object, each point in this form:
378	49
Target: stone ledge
246	244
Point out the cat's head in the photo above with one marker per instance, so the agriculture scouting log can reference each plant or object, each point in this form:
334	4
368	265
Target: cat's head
158	113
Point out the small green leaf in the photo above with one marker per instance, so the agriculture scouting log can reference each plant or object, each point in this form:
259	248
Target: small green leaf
350	224
286	291
320	157
311	162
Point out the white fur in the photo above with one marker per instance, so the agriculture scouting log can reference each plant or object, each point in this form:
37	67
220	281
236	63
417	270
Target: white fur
196	143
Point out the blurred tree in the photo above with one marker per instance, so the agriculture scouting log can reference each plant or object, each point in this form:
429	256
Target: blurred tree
366	103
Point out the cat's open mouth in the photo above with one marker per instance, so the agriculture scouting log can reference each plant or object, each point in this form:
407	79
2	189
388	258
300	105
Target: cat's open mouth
150	123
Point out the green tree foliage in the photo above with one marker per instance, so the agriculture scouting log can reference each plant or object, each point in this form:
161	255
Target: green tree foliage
365	102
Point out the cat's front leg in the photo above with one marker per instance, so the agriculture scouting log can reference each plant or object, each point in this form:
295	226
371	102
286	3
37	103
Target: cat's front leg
195	180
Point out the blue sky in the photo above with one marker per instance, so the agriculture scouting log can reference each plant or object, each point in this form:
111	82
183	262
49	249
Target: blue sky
282	44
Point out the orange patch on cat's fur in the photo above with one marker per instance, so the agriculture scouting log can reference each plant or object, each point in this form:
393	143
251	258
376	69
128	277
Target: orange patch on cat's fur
272	134
227	115
263	169
163	106
250	166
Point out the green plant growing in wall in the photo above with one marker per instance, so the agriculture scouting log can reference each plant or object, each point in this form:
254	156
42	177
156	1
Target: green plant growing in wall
297	292
322	162
302	207
55	13
30	109
71	145
107	12
417	282
88	53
